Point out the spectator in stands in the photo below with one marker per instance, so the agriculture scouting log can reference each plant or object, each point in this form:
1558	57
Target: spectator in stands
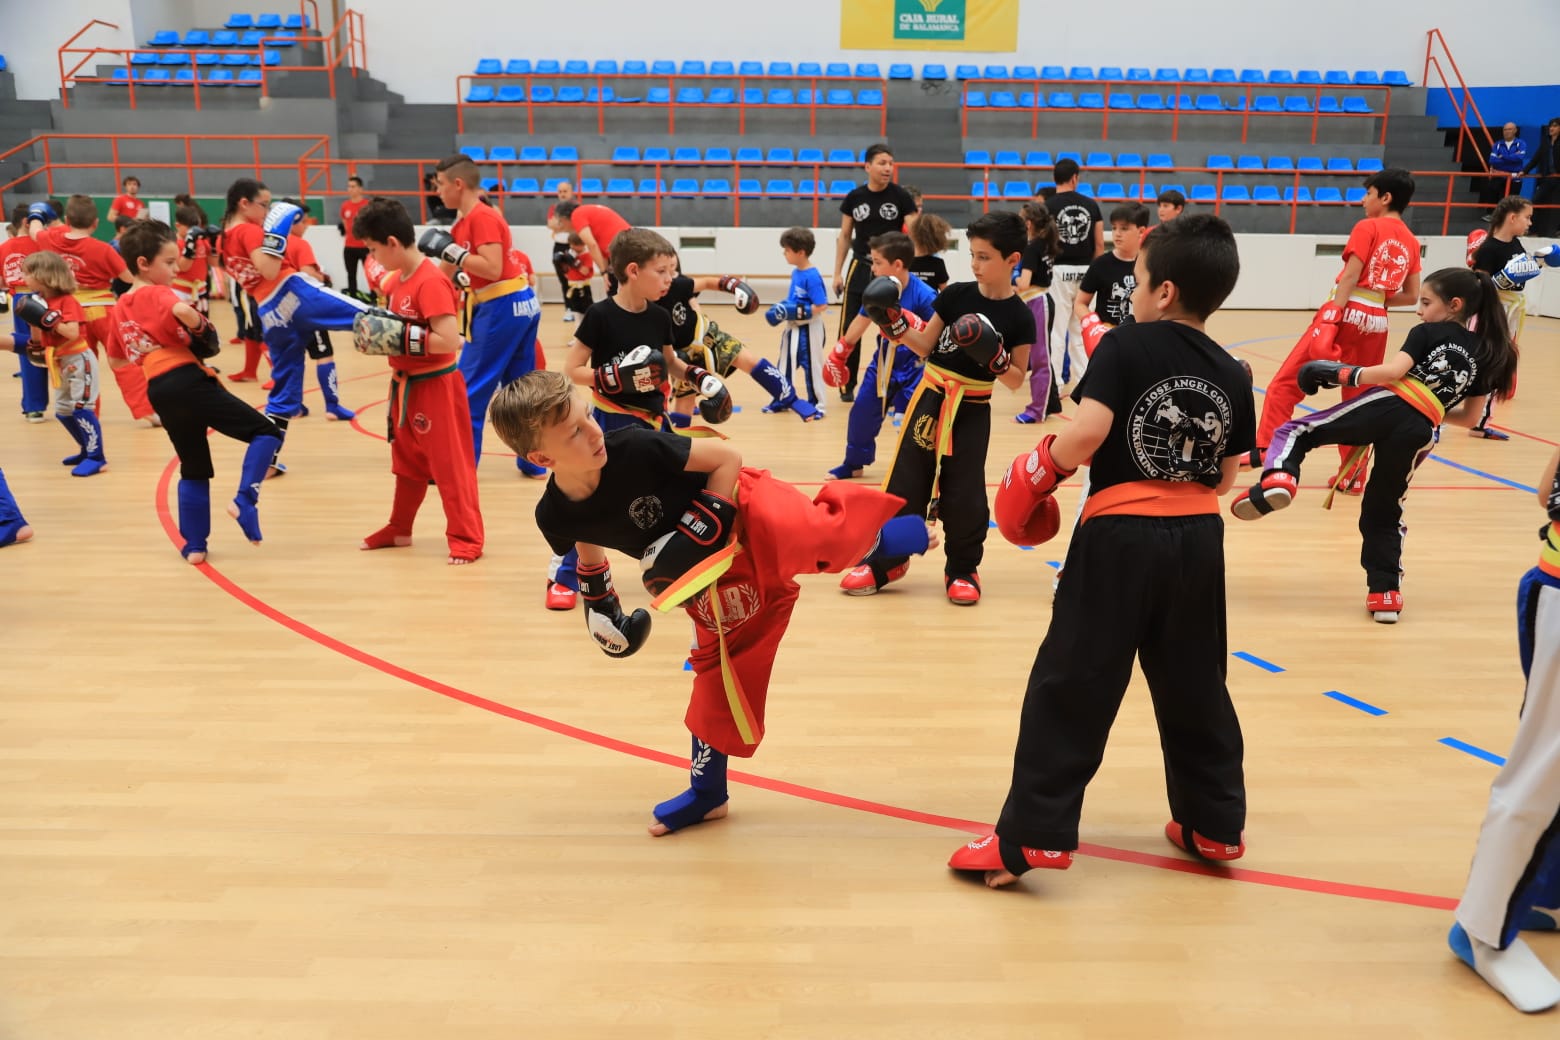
562	254
127	203
1546	160
1509	155
353	249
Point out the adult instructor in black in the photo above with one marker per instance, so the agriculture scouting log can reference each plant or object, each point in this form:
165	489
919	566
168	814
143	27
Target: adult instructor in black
871	209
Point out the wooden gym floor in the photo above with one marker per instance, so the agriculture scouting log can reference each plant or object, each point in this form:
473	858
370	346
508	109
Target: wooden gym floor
310	792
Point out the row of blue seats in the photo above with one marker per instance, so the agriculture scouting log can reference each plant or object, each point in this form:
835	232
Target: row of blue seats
1163	161
630	154
186	77
201	38
481	93
1266	103
683	187
268	21
3	65
1023	191
870	70
204	60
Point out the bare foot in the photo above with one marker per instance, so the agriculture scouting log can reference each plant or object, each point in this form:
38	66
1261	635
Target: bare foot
932	541
195	559
460	561
658	829
999	878
23	534
274	472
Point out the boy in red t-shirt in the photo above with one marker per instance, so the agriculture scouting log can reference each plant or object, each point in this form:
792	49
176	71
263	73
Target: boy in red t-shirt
167	338
353	251
127	203
429	425
1380	270
96	265
13	289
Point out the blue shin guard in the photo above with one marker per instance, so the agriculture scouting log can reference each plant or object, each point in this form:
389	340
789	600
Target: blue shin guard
326	371
194	514
766	375
257	459
707	777
565	570
90	438
69	422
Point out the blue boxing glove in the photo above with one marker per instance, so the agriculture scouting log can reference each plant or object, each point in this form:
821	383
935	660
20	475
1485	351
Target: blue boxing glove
1548	254
1519	270
41	212
775	315
278	225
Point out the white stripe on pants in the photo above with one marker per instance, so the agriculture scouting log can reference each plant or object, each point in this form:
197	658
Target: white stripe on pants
802	347
1065	336
1525	797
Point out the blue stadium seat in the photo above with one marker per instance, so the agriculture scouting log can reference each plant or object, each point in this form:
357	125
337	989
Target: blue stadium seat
780	155
840	97
716	188
714	155
1167	75
810	189
692	68
474	152
1329	195
809	68
297	22
1367	78
1086	189
1091	99
268	21
690	96
1224	76
1249	162
215	78
1017	190
1237	193
1235	105
565	153
173	60
722	68
620	186
838	69
543	94
1308	77
239	21
1280	162
1123	101
750	68
635	68
1080	72
808	156
207	59
1025	72
1356	105
1210	103
1098	160
1354	195
966	72
749	155
974	99
196	38
934	72
870	98
1308	164
684	188
650	186
1195	76
1340	165
571	95
841	157
1163	188
722	96
1003	99
977	157
1266	103
1368	165
1062	99
750	189
224	38
1396	78
1007	158
995	72
1141	192
532	153
1160	161
1038	159
1111	192
143	58
658	155
1295	103
1293	194
252	38
658	96
1220	162
1029	99
478	94
1076	157
1328	104
752	95
1264	193
511	93
183	78
1280	77
504	153
663	68
1253	76
249	78
1140	75
590	186
283	38
1053	72
686	154
548	67
1204	193
1336	78
1129	161
781	96
1151	102
901	71
1111	72
606	94
779	188
840	189
781	68
489	67
978	190
604	67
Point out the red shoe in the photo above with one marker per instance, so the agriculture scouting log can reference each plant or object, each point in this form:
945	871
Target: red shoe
986	854
1275	490
560	597
1202	848
860	581
964	592
1385	607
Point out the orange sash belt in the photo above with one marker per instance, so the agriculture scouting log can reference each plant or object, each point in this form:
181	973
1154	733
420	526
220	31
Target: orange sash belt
1151	498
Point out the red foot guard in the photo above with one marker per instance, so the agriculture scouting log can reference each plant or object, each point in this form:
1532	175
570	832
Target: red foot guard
987	854
1201	847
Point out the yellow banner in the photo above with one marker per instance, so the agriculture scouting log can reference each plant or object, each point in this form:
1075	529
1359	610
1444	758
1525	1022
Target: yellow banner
929	25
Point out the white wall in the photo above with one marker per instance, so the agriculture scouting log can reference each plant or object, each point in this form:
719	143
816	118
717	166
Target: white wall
31	39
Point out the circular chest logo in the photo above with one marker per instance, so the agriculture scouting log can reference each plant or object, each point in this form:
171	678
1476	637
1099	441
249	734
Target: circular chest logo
861	212
1073	225
680	314
1179	429
888	211
646	512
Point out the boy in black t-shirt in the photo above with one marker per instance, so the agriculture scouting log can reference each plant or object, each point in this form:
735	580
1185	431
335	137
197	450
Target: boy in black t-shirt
1105	294
1166	414
674	504
869	210
980	332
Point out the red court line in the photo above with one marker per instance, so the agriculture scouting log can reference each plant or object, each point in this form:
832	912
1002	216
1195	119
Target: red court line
1256	877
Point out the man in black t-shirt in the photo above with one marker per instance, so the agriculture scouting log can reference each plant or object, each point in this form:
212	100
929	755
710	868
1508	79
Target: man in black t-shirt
1165	414
1082	234
869	210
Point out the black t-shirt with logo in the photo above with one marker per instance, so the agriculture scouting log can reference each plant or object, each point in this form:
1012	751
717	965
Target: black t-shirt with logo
1446	360
1182	405
645	486
610	332
1076	217
1037	261
1493	254
678	302
1011	317
1111	280
874	213
931	270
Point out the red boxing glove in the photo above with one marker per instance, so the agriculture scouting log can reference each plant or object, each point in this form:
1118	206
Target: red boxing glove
1320	338
1025	512
1476	239
1093	329
836	365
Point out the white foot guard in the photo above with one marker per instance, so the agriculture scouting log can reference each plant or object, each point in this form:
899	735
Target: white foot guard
1516	973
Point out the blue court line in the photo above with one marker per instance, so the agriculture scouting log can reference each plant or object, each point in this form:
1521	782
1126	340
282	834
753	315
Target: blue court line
1343	698
1054	564
1469	749
1259	662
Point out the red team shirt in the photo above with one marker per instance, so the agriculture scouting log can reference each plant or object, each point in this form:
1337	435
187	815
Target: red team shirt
69	310
94	263
349	212
193	278
127	206
427	294
300	254
144	327
603	222
13	252
481	226
239	243
1389	251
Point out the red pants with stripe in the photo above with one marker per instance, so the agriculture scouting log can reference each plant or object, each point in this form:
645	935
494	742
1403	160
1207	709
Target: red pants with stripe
431	441
1283	393
783	534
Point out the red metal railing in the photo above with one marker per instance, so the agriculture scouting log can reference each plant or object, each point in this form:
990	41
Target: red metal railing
318	149
604	82
1174	108
345	44
1461	105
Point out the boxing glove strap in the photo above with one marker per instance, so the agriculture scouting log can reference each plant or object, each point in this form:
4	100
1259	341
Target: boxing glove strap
1151	498
1419	397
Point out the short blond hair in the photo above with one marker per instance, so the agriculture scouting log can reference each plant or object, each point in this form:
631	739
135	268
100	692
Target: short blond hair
529	405
50	270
